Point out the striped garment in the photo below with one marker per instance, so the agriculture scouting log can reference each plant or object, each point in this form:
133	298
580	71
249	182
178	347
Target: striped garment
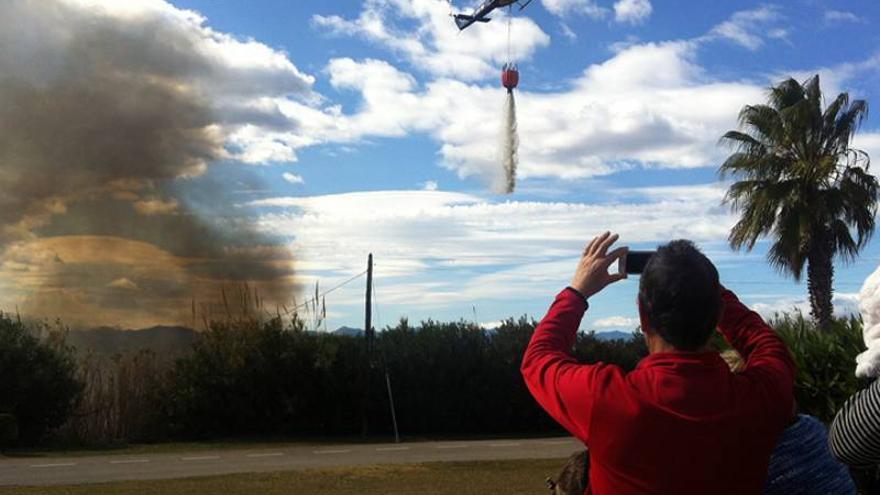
855	432
801	463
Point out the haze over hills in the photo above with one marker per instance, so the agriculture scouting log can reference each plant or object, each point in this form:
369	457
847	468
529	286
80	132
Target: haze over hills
614	335
109	340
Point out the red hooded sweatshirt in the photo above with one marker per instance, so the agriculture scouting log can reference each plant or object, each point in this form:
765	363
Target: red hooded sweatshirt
681	422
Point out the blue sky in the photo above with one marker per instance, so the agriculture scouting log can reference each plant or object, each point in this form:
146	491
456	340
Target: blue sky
795	38
390	123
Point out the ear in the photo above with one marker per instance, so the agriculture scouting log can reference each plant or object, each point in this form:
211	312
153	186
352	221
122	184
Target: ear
643	317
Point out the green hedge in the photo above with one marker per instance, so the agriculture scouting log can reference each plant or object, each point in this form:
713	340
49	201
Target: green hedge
38	384
825	362
273	378
251	377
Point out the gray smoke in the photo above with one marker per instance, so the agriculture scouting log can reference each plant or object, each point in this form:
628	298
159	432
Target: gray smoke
108	124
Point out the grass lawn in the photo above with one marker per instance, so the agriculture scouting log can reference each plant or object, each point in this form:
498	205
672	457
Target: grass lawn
439	478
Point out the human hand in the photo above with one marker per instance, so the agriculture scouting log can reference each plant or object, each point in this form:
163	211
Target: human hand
592	274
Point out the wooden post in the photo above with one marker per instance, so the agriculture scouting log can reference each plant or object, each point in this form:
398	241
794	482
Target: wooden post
368	335
368	309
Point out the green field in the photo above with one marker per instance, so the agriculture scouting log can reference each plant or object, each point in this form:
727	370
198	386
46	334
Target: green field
444	478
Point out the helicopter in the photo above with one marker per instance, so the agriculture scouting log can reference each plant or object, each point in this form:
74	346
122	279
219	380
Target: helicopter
480	13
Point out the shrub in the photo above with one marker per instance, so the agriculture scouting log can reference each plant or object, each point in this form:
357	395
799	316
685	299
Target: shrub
8	430
253	377
825	362
38	386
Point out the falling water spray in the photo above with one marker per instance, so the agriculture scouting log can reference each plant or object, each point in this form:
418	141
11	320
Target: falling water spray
509	144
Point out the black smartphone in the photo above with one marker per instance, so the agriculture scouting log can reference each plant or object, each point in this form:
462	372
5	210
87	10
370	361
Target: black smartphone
634	262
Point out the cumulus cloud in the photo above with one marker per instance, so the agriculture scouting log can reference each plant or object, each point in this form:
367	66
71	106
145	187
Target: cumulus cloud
433	45
632	11
104	145
747	27
565	7
649	104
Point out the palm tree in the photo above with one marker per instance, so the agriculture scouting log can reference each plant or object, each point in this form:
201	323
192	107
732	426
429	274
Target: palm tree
801	184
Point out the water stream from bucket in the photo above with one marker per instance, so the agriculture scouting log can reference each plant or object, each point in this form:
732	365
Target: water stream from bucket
509	145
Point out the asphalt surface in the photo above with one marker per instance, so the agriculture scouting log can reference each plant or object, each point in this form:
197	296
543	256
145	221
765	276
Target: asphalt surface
97	469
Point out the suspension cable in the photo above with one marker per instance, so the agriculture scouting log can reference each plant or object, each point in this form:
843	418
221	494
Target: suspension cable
509	24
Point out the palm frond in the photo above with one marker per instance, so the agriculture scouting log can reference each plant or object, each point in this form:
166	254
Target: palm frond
788	254
762	122
846	125
786	93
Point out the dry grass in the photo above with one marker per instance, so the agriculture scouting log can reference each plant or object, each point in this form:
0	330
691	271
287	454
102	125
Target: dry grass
459	478
120	394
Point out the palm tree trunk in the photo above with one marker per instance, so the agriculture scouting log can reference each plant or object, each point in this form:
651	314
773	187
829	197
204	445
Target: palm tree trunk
820	274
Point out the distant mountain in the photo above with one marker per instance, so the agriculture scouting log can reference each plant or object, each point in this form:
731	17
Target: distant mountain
107	340
614	335
348	331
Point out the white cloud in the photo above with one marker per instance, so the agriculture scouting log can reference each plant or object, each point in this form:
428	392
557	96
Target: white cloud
615	322
565	7
292	178
869	142
448	247
746	27
434	45
845	304
430	185
649	104
840	16
632	11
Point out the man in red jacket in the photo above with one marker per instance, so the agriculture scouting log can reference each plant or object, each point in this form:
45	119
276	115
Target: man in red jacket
681	422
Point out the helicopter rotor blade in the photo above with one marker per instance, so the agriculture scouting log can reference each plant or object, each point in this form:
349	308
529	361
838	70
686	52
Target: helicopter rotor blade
524	5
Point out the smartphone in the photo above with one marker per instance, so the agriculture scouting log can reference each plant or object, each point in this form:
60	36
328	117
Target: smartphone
634	262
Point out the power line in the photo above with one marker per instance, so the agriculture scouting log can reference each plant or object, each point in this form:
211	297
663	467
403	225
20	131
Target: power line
321	295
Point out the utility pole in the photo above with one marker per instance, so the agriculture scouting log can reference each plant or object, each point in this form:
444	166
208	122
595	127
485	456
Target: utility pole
368	310
368	335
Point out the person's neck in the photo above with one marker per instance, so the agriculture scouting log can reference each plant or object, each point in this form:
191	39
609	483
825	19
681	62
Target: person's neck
657	344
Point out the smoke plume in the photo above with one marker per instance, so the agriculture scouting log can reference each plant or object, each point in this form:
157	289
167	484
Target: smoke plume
112	116
509	145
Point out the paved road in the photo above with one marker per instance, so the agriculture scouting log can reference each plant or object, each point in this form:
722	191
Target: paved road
95	469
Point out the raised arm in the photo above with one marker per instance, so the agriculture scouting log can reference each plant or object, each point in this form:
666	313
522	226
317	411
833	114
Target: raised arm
562	386
767	358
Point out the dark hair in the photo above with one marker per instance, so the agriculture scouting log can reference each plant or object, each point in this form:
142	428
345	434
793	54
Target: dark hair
681	295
